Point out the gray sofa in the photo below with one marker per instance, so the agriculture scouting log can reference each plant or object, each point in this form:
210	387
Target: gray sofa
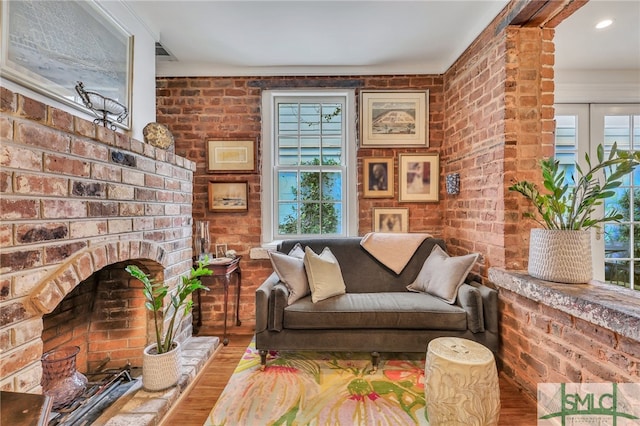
377	313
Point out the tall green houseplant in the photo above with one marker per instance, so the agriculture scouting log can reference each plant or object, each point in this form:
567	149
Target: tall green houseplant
179	301
567	210
572	206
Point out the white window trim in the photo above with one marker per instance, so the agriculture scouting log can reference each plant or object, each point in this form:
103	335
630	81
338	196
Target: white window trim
268	152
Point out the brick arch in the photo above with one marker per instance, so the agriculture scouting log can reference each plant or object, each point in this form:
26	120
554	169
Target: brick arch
51	290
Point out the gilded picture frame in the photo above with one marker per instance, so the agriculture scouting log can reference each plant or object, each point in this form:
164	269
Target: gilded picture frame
231	156
391	219
378	177
228	196
419	177
394	118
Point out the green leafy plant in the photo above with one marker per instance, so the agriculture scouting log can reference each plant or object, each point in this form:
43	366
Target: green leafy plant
315	217
571	207
155	293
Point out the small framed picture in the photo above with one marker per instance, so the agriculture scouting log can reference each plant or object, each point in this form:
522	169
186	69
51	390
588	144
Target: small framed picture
378	177
419	176
231	156
221	250
228	196
394	118
391	219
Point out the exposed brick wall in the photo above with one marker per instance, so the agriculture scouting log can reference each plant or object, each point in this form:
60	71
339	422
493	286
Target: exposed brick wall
529	128
498	124
544	345
105	317
202	108
76	197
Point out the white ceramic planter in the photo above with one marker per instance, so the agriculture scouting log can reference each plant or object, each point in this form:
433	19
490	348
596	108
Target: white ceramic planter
160	371
560	256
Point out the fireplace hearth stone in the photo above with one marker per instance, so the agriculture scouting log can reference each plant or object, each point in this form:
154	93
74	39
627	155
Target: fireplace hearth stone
139	407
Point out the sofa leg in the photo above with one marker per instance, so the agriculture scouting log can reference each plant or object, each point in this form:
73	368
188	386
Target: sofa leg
263	359
375	360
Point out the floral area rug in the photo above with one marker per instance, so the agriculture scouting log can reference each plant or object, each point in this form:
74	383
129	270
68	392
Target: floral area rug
322	388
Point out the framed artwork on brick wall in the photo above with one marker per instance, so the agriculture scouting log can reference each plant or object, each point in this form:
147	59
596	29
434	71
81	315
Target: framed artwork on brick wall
378	177
419	177
392	219
394	118
229	196
231	156
37	52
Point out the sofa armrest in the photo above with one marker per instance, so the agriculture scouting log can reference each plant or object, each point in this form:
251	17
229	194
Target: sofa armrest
489	306
263	293
278	301
470	299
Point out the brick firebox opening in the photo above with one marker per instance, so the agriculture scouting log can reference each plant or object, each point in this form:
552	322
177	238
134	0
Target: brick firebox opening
105	317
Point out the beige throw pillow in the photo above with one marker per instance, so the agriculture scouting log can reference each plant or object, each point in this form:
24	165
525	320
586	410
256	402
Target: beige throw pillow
324	274
290	270
442	275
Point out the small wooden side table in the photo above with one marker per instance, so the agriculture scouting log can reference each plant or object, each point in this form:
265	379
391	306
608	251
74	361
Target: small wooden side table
223	270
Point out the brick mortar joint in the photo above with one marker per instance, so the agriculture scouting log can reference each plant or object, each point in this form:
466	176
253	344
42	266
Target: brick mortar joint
154	154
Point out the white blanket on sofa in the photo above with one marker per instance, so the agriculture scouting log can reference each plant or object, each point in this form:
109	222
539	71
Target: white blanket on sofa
393	250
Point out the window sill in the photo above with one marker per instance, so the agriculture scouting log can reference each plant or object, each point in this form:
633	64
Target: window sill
614	308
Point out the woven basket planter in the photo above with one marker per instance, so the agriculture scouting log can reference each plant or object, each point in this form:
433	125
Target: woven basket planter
160	371
560	256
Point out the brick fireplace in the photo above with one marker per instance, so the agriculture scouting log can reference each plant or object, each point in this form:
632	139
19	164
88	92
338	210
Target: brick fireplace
78	202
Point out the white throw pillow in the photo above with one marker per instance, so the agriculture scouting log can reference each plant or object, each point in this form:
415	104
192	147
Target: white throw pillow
442	275
324	274
290	270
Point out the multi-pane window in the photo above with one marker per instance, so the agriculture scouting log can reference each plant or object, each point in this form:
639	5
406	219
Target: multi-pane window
622	240
616	244
566	144
309	136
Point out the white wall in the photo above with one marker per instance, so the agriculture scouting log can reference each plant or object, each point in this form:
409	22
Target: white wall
143	103
597	86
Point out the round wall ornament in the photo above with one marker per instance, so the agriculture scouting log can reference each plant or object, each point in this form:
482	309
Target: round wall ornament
158	135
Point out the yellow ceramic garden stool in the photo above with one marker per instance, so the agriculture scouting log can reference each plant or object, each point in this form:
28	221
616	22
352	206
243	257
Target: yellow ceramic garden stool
462	383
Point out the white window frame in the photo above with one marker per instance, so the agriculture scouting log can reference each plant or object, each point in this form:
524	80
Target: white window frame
269	177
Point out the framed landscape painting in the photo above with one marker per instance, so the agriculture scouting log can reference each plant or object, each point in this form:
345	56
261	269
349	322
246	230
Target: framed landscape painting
38	52
419	176
394	118
228	196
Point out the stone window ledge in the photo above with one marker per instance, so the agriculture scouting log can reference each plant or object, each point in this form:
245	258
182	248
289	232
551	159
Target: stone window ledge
614	308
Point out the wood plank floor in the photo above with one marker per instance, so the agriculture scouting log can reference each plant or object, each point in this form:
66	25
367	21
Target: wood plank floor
517	409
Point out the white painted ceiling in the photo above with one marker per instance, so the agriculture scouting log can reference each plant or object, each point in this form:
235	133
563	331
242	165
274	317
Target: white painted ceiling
306	37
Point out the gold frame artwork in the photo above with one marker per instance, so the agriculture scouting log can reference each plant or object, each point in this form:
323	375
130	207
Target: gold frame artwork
229	196
419	177
394	118
231	156
378	177
391	219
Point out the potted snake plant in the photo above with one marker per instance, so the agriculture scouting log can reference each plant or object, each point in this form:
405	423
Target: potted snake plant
161	367
561	251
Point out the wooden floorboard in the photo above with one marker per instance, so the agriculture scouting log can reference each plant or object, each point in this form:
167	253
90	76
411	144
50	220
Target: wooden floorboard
517	409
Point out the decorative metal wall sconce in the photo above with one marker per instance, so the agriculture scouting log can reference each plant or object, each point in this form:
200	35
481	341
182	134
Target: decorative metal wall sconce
453	183
106	109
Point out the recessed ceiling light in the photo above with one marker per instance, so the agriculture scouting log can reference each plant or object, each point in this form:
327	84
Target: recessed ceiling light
604	23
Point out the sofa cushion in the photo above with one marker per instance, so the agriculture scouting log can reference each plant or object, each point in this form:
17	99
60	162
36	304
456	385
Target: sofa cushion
361	272
417	311
442	275
290	270
324	274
